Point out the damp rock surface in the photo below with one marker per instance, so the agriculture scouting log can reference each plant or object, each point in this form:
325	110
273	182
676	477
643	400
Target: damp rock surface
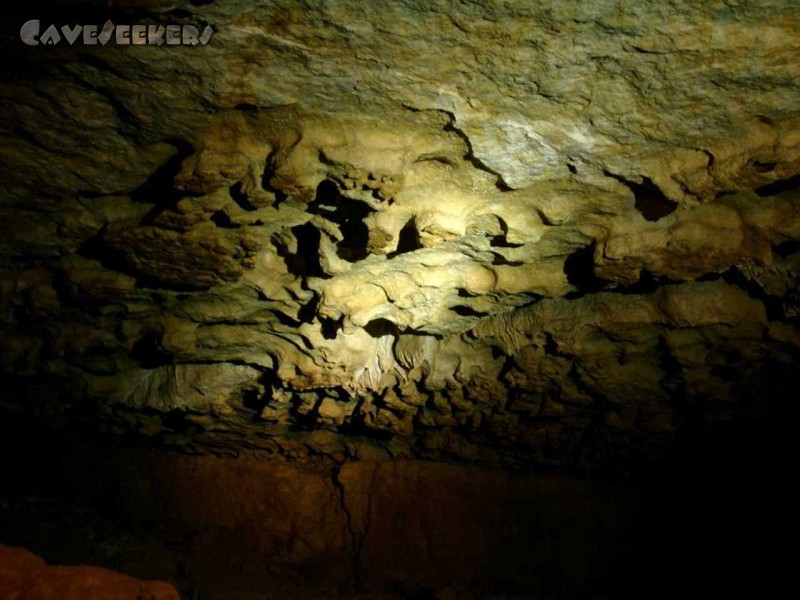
516	234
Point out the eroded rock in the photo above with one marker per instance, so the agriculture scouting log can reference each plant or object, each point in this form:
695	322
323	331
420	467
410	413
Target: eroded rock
524	235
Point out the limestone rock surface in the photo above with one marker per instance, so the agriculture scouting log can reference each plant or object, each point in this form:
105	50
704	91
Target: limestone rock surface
515	233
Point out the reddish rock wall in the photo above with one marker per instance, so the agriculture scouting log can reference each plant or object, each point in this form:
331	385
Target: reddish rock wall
408	525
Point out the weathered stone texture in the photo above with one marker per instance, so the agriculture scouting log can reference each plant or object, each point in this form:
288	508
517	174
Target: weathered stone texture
515	233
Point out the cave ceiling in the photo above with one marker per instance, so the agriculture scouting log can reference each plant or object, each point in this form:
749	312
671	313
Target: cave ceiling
526	233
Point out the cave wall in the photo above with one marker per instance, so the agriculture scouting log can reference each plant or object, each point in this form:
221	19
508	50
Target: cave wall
529	234
228	527
362	293
717	522
411	525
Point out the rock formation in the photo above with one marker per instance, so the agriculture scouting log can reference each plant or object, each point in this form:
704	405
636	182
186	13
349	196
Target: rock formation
25	576
527	235
497	234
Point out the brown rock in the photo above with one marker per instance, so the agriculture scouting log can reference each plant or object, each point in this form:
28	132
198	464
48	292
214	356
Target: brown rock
24	576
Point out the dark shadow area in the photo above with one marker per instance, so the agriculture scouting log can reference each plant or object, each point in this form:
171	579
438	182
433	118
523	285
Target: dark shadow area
381	327
713	516
647	283
407	239
255	401
240	197
551	347
266	181
579	269
149	352
305	262
764	167
97	248
649	200
305	419
348	214
782	185
327	196
71	11
159	188
717	521
787	248
462	310
221	219
501	241
331	327
286	320
308	311
773	305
